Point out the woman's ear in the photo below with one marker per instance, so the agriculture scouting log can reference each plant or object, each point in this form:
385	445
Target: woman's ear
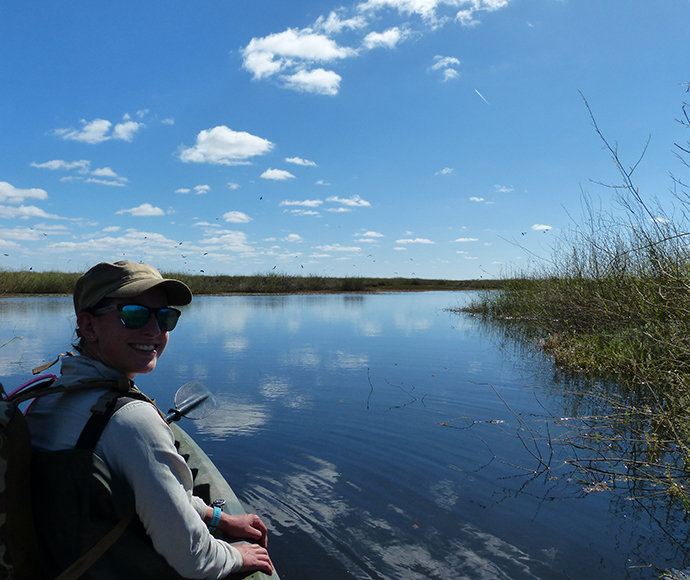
85	323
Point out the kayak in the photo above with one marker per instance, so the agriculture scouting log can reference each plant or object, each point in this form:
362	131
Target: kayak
209	484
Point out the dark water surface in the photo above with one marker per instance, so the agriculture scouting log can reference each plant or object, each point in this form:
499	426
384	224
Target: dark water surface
377	435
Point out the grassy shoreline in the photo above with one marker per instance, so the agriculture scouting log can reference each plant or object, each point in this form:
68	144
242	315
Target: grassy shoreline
19	283
611	307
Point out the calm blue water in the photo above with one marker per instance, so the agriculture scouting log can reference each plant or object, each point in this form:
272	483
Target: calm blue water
377	435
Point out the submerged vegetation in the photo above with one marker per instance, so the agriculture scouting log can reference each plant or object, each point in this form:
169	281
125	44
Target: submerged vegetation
613	302
30	282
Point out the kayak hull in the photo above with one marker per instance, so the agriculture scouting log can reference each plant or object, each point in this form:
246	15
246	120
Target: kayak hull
209	483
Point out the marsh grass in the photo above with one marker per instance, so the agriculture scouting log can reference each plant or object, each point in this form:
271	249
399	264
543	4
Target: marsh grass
42	283
614	301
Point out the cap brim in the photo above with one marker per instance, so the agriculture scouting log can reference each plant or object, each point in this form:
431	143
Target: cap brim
178	292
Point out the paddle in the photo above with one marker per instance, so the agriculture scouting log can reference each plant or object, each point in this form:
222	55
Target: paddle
194	401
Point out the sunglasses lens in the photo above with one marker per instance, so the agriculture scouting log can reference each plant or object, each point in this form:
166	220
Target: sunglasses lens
167	318
134	316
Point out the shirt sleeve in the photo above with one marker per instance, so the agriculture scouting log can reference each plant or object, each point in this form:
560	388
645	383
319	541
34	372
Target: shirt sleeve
138	445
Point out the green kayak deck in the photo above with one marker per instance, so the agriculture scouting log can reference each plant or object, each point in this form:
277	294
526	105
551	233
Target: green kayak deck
209	483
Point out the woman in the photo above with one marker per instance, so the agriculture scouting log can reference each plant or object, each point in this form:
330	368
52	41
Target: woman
124	320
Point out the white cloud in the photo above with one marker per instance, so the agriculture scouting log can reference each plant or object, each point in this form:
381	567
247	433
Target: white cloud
338	248
126	131
503	188
477	199
339	209
11	194
293	238
541	228
105	182
199	189
429	10
25	212
230	241
372	235
144	210
232	185
467	240
98	131
82	165
277	174
305	203
319	81
183	190
445	171
304	212
270	54
446	64
236	217
386	39
168	121
223	146
104	172
354	201
333	24
414	241
298	161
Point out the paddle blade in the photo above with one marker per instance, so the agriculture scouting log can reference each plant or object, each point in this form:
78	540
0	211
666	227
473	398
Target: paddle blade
194	401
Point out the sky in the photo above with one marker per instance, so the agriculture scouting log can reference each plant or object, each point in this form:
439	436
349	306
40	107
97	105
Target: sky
416	138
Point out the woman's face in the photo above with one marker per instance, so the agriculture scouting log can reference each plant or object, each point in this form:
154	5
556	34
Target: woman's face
130	351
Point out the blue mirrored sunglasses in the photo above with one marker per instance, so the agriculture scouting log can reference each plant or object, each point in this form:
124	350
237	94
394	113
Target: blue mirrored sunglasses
136	316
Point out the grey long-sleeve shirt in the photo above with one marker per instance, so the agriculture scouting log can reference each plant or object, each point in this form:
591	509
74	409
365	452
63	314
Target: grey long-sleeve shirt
138	446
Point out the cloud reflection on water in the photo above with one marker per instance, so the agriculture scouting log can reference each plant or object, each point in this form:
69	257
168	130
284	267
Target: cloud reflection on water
233	418
311	499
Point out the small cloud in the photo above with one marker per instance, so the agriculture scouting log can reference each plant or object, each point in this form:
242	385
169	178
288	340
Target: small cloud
372	235
446	64
144	210
183	190
305	203
354	201
338	248
232	185
321	182
339	209
200	189
293	238
277	174
105	182
126	131
319	81
400	249
541	228
11	194
414	241
388	39
444	171
467	240
304	212
104	172
168	121
236	217
299	161
98	131
111	229
223	146
503	188
478	199
82	165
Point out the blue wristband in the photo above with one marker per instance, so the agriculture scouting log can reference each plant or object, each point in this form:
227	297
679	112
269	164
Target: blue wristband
215	520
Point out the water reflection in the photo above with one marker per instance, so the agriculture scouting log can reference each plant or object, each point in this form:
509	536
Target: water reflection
331	427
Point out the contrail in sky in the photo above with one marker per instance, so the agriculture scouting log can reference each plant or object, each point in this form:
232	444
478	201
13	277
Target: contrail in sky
482	96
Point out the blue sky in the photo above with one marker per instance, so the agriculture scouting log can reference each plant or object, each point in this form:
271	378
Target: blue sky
428	138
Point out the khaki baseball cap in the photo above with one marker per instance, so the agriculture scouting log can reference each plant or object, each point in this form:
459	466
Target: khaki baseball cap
125	279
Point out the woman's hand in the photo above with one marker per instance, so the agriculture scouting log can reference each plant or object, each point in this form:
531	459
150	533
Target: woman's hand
254	558
243	527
